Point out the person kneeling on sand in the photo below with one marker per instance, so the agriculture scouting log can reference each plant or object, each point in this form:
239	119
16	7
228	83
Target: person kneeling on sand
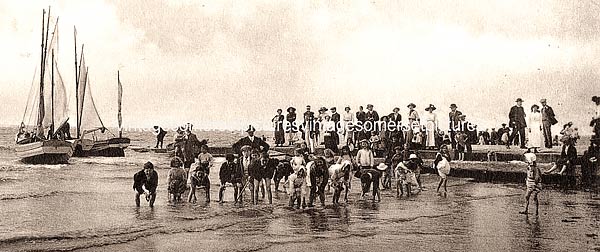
533	181
146	178
176	180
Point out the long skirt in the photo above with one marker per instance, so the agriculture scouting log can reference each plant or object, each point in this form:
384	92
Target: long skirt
279	137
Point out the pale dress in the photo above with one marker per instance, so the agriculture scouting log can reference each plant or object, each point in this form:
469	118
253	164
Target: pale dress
432	122
536	137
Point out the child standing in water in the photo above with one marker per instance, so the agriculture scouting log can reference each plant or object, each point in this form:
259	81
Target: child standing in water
533	181
298	160
296	188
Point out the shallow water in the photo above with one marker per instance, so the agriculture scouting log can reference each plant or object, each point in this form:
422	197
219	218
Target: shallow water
88	205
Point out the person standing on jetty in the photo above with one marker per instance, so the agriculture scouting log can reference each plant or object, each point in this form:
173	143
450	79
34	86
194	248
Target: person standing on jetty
361	118
453	123
291	128
348	119
336	118
250	140
548	119
533	182
396	125
191	147
517	122
413	121
373	118
160	136
535	128
146	178
431	127
278	127
308	130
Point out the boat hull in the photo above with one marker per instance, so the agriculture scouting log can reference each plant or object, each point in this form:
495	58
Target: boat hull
114	147
45	152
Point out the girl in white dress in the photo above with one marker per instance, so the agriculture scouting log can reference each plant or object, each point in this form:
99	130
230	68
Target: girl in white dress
536	137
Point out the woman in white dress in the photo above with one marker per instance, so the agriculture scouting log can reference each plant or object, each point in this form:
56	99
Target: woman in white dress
348	119
431	126
536	138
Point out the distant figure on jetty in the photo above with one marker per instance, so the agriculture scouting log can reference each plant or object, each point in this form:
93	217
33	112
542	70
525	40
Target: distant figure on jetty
292	127
396	119
534	122
191	147
361	117
431	126
517	123
146	179
453	121
413	121
596	121
252	141
278	126
348	119
308	129
372	117
548	119
336	118
533	182
160	136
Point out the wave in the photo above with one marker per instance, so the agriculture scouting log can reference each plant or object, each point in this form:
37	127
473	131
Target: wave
34	195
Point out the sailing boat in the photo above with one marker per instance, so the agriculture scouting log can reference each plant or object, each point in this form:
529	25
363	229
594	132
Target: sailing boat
45	144
92	136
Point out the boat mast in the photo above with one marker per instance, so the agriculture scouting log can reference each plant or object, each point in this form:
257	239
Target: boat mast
120	94
52	98
41	108
76	82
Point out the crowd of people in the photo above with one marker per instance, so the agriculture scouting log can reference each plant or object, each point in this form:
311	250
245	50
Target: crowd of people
306	176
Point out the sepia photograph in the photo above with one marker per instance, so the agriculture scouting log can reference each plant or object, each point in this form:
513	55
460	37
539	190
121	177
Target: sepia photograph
280	125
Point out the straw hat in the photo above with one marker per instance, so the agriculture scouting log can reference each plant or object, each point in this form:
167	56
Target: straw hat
431	107
413	156
382	167
411	105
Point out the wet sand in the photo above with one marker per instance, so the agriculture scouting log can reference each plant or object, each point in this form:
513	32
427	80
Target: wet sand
88	206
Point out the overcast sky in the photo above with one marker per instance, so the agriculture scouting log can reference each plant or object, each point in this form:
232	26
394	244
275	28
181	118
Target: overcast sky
226	64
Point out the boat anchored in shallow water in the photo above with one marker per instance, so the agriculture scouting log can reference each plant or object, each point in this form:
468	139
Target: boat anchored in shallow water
93	138
41	142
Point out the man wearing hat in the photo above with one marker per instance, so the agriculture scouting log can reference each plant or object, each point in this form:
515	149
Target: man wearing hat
146	178
396	118
372	117
279	128
517	123
250	140
413	119
548	119
335	117
291	128
308	130
454	126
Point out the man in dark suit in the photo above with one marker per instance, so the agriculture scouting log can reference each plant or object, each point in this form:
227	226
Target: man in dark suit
517	122
308	125
396	130
454	124
372	117
250	140
548	119
335	117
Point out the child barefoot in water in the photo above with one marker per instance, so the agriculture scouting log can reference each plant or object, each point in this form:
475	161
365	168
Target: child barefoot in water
296	188
533	181
442	165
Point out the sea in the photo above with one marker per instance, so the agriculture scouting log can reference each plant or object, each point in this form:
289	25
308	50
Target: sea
88	205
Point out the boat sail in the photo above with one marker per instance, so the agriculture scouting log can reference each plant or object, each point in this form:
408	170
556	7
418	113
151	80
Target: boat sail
43	141
94	139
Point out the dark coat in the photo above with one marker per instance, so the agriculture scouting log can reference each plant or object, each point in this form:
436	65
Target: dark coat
150	183
454	119
230	172
336	118
548	115
256	144
319	177
361	116
517	117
